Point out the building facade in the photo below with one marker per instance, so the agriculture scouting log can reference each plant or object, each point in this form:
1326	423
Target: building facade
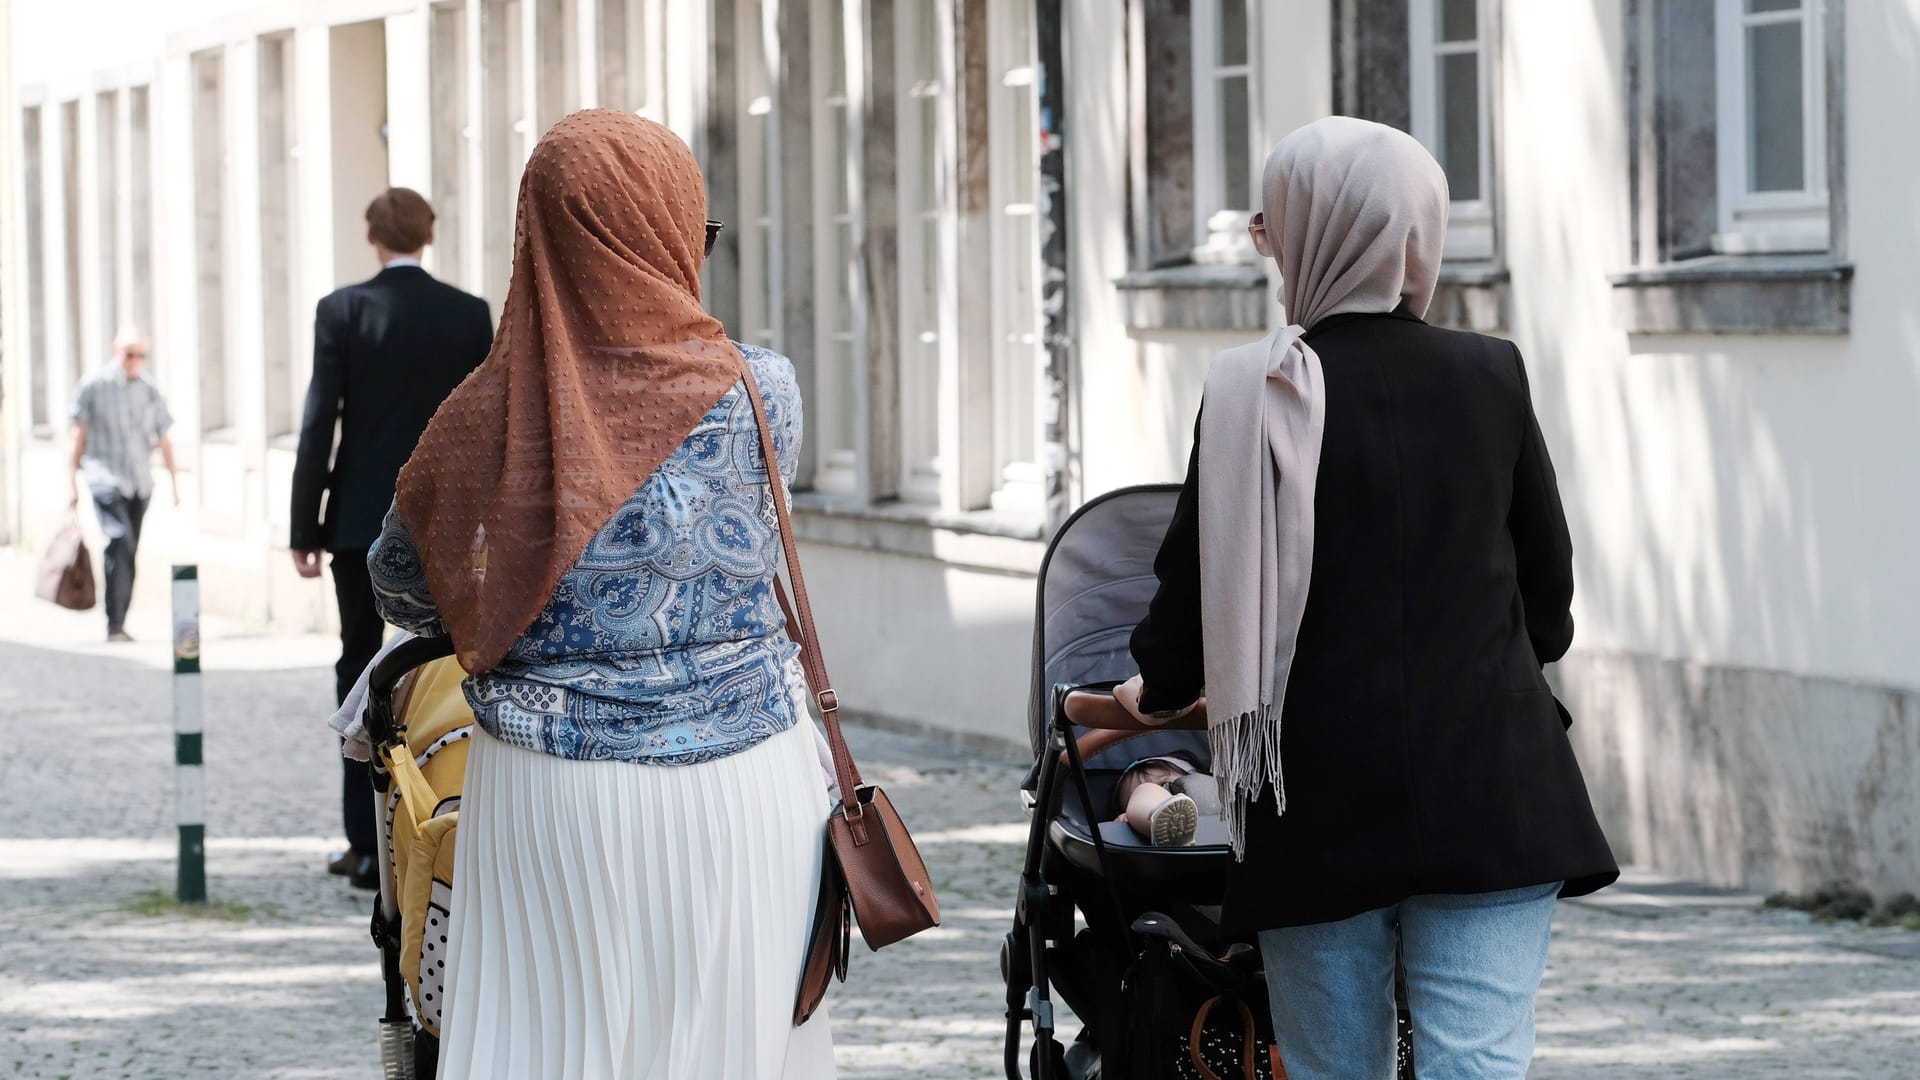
1002	239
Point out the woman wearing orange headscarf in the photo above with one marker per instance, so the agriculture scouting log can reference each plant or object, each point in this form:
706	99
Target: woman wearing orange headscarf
591	517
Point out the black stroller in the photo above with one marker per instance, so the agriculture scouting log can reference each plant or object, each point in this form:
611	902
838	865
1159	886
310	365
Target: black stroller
1160	991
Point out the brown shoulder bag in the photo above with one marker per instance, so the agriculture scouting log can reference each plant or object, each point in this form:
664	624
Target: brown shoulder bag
66	569
871	869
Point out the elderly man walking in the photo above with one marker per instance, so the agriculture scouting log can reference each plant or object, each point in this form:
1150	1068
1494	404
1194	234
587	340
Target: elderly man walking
119	418
386	352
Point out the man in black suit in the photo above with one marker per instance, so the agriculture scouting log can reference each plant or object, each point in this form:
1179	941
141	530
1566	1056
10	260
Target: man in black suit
386	352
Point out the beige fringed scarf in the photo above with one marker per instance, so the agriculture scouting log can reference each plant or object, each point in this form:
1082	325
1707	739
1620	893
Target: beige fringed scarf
1359	211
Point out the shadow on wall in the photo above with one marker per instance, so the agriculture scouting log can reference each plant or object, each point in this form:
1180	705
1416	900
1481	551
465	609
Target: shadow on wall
1729	500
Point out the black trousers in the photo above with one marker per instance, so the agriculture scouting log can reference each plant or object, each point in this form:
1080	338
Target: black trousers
120	519
361	630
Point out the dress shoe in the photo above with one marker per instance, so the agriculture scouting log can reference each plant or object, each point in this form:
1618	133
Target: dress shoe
119	637
366	873
343	861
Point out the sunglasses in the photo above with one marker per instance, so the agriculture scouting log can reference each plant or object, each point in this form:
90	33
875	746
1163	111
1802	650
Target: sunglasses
713	233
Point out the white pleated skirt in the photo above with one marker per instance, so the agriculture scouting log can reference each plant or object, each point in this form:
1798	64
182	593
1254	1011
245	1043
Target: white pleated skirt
641	922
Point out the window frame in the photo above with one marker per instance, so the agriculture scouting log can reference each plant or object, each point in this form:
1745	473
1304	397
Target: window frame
762	279
1209	142
1774	222
1469	221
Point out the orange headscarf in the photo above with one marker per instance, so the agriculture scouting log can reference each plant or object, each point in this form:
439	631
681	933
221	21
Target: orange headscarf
604	362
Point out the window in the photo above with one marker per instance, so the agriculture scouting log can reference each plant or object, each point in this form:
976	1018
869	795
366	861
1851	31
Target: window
1772	126
1735	164
1222	114
925	246
838	307
1448	76
1014	179
759	231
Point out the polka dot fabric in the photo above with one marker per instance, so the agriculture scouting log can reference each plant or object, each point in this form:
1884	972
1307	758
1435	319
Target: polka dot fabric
604	362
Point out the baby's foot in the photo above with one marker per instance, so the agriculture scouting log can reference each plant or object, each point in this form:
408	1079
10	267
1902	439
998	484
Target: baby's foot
1172	823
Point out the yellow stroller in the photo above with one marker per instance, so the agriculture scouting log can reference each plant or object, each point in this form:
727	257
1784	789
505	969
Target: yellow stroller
421	729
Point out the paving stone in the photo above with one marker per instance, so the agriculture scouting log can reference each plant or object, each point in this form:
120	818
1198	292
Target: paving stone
1672	983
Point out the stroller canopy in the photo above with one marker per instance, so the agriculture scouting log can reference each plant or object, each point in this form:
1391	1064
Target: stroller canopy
1095	584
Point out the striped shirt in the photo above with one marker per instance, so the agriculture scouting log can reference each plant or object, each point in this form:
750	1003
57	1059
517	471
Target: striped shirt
125	419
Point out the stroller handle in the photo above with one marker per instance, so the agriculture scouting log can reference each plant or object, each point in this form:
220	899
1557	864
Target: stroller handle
386	675
1091	707
1110	724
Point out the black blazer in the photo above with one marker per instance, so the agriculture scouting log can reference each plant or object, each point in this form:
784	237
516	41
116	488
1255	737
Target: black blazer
386	353
1421	748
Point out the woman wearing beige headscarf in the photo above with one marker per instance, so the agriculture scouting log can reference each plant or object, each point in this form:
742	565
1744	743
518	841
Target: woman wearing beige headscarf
590	516
1367	570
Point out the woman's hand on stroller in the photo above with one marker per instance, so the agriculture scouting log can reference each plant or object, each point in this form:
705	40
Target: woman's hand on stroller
1128	695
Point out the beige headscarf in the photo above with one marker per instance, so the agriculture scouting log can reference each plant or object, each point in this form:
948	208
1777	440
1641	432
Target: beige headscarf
1359	211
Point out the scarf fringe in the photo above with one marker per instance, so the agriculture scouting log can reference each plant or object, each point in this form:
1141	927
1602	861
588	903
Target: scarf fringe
1246	759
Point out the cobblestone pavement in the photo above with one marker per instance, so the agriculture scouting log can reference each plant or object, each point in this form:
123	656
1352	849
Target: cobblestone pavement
1660	982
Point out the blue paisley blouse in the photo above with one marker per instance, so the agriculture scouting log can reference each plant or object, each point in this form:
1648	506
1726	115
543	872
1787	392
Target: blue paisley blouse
664	644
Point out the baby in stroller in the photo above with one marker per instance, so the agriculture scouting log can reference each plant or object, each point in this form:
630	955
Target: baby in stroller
1161	798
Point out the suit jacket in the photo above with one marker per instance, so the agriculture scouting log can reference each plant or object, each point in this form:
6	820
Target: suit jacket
1421	748
386	353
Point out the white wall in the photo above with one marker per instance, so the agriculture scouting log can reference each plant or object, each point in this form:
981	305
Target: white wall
923	645
55	41
1737	500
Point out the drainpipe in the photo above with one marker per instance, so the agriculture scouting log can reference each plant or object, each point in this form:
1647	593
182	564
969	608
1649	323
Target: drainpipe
1056	333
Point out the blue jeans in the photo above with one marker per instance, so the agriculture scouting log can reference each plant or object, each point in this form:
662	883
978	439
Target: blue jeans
1473	966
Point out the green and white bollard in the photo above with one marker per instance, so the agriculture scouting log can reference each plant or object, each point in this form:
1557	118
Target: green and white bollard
190	778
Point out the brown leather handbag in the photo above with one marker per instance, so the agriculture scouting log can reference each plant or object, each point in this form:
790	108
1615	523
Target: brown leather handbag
66	570
872	873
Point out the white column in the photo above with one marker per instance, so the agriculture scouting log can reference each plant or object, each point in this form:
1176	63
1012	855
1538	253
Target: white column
474	181
312	111
62	353
410	101
243	293
409	145
16	412
123	182
176	331
1290	95
586	36
681	52
92	350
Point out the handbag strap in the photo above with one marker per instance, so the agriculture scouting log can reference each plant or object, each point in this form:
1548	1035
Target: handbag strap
1249	1041
809	637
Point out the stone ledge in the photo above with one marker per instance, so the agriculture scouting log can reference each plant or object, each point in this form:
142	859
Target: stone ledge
1195	298
1736	294
1471	296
